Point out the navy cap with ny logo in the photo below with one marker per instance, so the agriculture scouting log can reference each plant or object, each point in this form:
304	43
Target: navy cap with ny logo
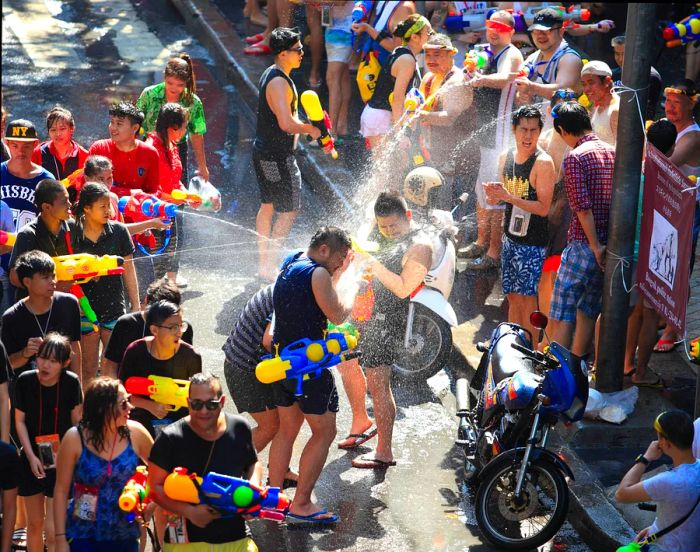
21	130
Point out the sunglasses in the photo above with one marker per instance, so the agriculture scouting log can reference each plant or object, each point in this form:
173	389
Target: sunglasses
298	50
498	26
657	425
211	404
125	403
564	95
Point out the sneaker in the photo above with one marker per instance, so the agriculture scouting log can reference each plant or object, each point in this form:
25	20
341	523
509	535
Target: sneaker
483	263
472	251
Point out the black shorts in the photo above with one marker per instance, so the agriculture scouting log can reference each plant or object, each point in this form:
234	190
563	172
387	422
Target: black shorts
381	339
279	180
320	394
10	472
30	485
247	393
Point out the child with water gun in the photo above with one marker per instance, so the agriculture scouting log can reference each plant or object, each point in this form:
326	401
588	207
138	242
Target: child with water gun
98	235
166	362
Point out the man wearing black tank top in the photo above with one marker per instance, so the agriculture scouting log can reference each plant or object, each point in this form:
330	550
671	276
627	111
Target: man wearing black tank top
276	168
526	187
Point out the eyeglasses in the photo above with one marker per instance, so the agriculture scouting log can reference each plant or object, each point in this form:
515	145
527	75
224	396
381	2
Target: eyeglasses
298	50
211	404
657	425
125	403
175	327
555	111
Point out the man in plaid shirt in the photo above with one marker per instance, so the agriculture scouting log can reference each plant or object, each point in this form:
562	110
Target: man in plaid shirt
588	173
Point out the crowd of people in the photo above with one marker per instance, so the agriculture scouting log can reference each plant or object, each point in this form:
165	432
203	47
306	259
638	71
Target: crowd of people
508	130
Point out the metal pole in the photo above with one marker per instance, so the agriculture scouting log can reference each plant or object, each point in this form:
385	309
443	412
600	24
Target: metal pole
641	26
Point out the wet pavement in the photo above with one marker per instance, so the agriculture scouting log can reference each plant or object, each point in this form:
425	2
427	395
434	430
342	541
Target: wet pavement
104	50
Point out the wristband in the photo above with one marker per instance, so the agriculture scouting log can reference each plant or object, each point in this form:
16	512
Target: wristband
383	34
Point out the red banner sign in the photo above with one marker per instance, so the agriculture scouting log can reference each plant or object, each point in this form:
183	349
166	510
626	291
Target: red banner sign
663	267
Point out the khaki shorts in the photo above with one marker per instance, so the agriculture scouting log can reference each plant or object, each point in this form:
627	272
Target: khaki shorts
243	545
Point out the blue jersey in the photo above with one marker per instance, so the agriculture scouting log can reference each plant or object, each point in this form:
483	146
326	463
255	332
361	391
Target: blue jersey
18	194
297	315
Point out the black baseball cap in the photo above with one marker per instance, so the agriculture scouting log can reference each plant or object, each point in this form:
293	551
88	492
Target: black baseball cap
546	19
21	130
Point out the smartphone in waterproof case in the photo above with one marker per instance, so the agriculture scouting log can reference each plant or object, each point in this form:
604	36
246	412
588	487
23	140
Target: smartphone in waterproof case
326	18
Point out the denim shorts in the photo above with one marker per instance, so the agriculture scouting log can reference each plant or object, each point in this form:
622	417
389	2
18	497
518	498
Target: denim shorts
521	267
579	284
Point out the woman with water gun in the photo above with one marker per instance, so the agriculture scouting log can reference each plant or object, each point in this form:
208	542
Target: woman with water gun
95	460
398	74
163	354
171	126
98	235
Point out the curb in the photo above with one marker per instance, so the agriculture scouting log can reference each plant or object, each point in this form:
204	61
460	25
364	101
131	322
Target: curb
598	522
212	29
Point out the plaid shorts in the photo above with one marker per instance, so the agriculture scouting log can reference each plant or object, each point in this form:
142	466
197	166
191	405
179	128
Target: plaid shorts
521	267
579	284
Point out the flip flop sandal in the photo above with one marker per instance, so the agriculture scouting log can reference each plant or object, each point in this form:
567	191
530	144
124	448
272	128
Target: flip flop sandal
472	251
483	263
360	439
658	384
365	463
313	518
19	539
664	343
258	50
255	38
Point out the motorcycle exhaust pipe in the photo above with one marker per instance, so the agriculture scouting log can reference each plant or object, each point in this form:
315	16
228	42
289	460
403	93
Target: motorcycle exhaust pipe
462	395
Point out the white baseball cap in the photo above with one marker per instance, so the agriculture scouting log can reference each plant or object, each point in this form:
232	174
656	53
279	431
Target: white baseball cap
595	67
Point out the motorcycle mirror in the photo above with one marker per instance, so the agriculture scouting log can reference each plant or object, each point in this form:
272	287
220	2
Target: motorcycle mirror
539	320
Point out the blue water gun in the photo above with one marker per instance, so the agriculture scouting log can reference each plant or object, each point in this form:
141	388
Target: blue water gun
306	359
226	493
140	206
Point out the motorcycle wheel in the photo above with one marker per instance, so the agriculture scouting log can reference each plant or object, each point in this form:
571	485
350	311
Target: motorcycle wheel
430	350
526	523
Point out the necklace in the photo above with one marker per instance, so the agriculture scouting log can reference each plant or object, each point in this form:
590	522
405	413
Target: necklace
48	319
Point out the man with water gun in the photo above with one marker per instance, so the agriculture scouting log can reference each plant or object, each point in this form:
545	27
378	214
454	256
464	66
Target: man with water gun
276	169
205	441
554	64
447	118
398	268
305	300
494	96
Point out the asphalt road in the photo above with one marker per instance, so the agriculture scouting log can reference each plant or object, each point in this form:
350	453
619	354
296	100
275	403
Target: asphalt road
84	55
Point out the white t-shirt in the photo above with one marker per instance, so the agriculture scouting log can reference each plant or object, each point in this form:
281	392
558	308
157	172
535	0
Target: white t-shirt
696	439
675	493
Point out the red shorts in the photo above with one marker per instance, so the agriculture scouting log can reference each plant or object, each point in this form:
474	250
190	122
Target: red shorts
551	263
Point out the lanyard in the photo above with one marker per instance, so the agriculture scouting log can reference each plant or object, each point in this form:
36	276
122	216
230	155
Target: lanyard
55	410
36	318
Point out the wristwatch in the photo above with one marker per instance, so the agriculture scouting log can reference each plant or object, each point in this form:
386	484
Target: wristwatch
641	460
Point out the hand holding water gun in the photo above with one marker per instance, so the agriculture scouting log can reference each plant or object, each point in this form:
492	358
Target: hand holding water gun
306	359
227	493
83	267
140	206
8	238
320	119
135	495
684	31
161	389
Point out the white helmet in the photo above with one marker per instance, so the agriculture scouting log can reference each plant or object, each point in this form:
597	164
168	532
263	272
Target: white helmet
419	182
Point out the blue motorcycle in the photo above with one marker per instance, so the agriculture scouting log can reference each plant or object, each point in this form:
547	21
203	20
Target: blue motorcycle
522	497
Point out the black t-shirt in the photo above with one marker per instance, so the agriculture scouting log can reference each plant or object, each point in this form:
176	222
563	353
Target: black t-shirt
19	324
129	328
41	416
232	454
106	294
140	363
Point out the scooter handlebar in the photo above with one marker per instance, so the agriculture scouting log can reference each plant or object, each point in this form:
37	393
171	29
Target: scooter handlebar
537	356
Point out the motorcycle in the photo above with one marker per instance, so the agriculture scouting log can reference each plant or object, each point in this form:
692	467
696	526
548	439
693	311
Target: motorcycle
522	496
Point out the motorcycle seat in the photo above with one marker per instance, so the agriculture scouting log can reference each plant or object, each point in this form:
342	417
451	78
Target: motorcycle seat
506	361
